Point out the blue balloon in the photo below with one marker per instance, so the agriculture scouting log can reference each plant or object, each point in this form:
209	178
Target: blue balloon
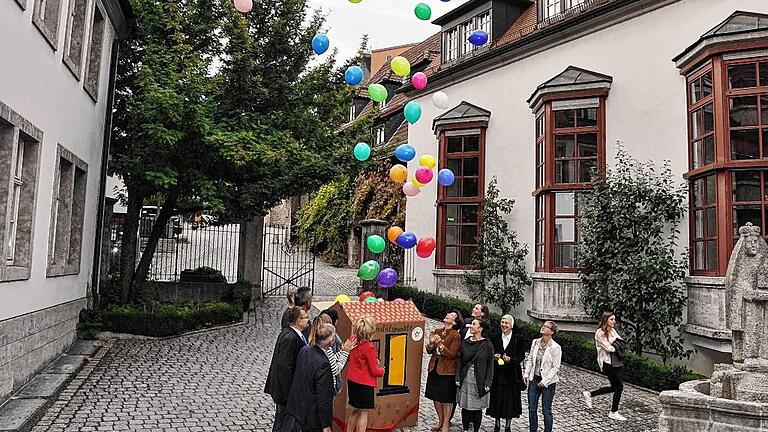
445	177
478	38
407	240
405	152
353	75
320	43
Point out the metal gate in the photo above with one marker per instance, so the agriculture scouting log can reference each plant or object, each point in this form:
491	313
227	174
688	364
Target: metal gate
286	265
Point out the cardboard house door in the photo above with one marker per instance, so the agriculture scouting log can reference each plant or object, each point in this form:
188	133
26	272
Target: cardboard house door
395	361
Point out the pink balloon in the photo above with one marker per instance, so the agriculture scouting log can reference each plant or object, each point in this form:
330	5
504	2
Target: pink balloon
244	6
411	189
419	81
424	175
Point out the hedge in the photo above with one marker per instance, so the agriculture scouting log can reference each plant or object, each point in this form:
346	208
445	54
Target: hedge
577	350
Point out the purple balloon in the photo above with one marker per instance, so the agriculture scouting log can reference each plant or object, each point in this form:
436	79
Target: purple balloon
407	240
387	278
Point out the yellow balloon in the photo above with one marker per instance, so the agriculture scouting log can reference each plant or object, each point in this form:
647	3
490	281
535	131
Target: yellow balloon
398	173
400	66
501	362
427	161
343	298
355	1
417	183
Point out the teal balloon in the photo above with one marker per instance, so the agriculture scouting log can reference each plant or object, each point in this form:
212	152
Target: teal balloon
362	151
371	300
376	243
412	112
368	270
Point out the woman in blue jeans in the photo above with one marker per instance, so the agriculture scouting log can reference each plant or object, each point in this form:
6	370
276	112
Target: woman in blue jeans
540	376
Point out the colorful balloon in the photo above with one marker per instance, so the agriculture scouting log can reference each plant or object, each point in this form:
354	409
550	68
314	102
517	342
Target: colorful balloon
400	66
445	177
371	300
387	278
423	11
427	161
243	6
343	298
440	100
406	240
398	173
377	92
419	80
375	243
501	362
412	112
393	233
425	247
320	43
399	301
380	300
405	152
416	181
411	189
353	75
478	38
368	270
358	1
424	175
362	151
365	295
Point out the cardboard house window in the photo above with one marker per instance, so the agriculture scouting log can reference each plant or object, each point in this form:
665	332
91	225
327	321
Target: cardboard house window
394	365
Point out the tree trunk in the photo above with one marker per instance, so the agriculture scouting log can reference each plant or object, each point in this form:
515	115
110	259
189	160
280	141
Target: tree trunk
637	347
142	269
128	247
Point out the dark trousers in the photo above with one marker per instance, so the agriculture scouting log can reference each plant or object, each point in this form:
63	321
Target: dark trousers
471	416
547	396
279	416
616	387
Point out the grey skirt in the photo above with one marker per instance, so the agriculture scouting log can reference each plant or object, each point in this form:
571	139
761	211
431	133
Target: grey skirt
469	398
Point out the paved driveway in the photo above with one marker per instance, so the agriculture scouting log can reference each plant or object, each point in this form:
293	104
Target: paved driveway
214	381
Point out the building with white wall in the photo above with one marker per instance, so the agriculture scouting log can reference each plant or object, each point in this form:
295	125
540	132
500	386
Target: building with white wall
558	85
57	61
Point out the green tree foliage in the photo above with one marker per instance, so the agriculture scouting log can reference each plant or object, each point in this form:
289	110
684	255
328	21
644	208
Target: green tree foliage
324	222
500	276
628	259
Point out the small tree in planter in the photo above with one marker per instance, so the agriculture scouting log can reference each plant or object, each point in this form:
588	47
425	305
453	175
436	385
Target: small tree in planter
628	258
499	275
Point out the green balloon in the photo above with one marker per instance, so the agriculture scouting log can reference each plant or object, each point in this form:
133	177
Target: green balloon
369	270
362	151
377	92
370	300
423	12
376	243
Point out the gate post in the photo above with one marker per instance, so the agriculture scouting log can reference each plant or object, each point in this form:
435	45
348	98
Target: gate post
370	227
250	249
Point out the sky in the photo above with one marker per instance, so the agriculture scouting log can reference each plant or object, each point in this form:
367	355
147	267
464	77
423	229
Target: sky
387	22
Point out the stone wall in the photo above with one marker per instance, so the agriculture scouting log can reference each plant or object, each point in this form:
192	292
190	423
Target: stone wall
181	292
557	296
450	282
29	342
706	312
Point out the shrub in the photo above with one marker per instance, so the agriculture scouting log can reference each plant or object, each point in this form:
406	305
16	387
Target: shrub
202	274
240	295
577	350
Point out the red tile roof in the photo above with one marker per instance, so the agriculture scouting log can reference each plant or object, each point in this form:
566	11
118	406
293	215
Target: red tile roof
384	312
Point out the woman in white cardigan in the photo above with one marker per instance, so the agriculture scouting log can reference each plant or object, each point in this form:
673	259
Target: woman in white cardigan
541	369
605	335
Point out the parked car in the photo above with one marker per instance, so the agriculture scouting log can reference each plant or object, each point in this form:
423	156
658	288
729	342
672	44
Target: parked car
147	219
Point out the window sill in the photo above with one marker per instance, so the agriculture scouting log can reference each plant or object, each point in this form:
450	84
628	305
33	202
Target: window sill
451	271
63	270
74	68
14	273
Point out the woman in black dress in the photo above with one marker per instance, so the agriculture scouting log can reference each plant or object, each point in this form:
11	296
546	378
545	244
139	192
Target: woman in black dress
444	344
507	384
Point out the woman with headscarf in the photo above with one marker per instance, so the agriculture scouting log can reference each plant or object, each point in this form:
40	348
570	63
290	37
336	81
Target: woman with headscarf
507	384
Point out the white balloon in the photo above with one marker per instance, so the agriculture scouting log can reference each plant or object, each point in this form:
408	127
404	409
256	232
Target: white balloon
440	100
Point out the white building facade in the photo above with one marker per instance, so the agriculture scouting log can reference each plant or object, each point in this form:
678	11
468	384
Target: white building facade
551	97
57	58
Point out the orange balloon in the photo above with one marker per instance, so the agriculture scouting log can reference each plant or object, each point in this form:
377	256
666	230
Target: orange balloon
398	173
393	233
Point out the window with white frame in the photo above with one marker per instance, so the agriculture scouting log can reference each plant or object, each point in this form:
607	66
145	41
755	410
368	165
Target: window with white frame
67	212
352	112
456	40
93	65
73	46
451	44
17	164
45	16
378	135
551	8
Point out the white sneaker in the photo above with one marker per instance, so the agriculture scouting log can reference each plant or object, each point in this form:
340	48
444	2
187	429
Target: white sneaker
587	399
616	416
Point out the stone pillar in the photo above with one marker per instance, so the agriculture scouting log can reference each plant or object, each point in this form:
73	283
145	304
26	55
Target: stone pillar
249	256
371	227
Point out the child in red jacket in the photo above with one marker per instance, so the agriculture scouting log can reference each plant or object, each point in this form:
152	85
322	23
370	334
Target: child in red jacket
361	374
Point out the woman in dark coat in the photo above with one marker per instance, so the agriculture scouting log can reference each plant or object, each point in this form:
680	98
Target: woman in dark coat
474	374
507	384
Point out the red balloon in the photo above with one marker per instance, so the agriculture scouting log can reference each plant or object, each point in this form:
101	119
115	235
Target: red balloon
365	295
425	247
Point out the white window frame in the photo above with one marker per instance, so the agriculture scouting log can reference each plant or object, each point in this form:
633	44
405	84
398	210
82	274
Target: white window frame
17	162
352	112
378	135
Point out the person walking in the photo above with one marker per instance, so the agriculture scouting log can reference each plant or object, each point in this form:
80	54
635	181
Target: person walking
361	374
283	365
474	374
541	369
507	383
444	345
608	359
310	403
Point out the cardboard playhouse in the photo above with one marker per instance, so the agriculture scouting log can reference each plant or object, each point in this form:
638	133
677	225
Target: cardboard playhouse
399	340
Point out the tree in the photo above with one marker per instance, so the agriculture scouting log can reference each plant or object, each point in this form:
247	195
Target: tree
628	257
500	276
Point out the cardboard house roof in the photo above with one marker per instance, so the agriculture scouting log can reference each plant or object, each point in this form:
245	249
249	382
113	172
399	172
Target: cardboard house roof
383	312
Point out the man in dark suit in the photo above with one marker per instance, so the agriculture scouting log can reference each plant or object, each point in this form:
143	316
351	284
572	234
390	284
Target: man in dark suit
311	401
281	370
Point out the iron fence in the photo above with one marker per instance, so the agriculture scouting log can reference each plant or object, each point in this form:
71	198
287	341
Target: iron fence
286	264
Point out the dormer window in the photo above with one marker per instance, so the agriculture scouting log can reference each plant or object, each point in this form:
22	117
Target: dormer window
455	39
552	8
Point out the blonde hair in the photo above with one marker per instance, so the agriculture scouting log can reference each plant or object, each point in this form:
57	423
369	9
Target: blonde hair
319	321
363	328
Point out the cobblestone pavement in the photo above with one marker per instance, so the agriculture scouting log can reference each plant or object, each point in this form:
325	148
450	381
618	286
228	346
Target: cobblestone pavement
214	381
